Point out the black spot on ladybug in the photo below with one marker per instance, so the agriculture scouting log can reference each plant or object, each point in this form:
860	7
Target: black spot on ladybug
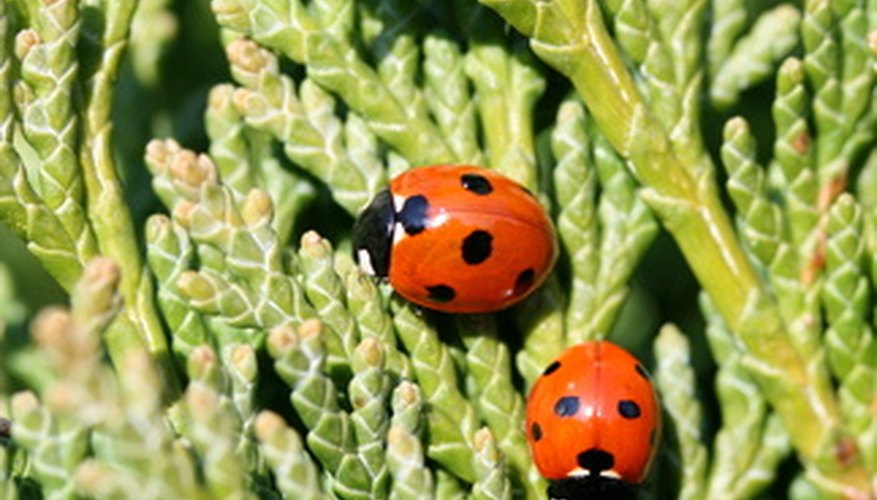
566	406
524	281
642	372
477	184
441	293
536	431
595	460
551	368
477	247
413	215
628	409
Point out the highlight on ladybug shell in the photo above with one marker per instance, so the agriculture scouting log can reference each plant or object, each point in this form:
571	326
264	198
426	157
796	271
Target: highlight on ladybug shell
593	421
456	238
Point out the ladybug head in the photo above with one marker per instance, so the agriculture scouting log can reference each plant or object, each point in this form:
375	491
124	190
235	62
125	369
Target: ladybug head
576	487
373	235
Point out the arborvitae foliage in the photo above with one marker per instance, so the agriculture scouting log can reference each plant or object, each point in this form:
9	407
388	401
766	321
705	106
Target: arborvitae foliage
188	174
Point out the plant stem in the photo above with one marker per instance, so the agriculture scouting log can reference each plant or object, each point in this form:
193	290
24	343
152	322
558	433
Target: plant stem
107	210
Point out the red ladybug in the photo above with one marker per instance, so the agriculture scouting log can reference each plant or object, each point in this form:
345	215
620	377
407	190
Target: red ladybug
593	422
456	238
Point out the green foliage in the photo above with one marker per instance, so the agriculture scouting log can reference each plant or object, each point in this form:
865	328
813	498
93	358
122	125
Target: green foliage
220	342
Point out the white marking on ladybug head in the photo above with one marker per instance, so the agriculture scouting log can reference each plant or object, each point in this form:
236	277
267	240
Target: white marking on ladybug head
398	233
611	473
398	202
580	472
365	261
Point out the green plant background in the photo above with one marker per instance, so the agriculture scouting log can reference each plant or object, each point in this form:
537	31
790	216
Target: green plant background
181	317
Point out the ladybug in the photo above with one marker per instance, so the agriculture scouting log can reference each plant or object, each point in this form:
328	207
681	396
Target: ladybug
456	238
593	422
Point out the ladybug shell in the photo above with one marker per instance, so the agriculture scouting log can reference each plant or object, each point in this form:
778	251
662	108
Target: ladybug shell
594	412
461	238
